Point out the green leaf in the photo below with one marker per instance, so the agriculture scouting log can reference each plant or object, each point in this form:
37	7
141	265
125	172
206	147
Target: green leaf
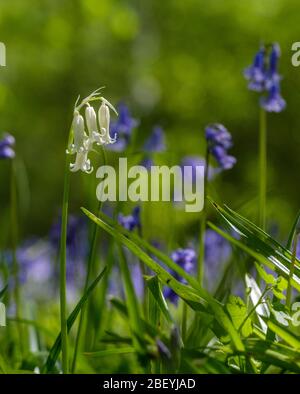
273	353
165	259
198	299
238	313
56	348
132	304
293	231
154	287
256	296
258	244
285	334
268	278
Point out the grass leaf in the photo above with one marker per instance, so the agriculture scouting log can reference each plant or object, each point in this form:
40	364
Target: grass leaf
56	348
198	300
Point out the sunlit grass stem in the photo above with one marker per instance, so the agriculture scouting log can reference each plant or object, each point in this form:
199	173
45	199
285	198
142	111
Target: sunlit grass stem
291	273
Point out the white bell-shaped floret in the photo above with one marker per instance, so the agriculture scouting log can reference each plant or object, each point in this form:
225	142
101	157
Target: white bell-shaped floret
82	163
104	122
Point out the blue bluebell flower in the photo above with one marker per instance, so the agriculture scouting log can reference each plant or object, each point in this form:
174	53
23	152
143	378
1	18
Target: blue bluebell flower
256	73
6	147
225	161
218	141
36	269
122	128
132	221
272	75
274	101
263	76
217	134
217	254
186	259
156	141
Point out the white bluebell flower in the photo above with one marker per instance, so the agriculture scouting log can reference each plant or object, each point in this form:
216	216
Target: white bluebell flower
82	141
104	122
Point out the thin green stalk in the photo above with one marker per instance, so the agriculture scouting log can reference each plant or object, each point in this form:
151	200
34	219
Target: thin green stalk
203	223
292	269
262	167
184	321
90	265
14	241
63	268
254	308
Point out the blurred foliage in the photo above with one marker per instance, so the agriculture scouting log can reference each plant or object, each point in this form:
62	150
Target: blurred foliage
175	63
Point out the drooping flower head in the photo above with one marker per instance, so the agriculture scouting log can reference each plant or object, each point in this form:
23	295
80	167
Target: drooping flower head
132	221
122	128
6	147
263	76
274	101
186	259
219	140
82	141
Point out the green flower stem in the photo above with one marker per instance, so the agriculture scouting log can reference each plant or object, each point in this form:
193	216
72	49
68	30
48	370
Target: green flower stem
262	167
203	223
184	321
91	262
63	268
14	241
292	269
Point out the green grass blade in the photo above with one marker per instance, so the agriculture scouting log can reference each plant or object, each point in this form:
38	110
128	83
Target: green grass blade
154	287
285	334
166	260
56	348
292	232
131	303
195	300
258	244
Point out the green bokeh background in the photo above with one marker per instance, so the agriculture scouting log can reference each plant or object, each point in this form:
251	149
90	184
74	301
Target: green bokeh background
175	63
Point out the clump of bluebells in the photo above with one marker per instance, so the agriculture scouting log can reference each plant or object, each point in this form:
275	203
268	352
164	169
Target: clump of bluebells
217	253
219	140
122	128
186	259
263	76
132	221
7	147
